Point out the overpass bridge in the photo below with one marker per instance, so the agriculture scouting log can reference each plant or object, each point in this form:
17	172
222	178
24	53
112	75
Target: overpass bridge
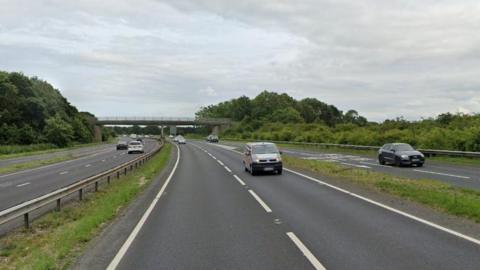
172	122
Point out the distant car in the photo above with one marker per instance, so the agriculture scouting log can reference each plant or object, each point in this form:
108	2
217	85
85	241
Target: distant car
212	138
135	147
181	140
262	157
139	140
400	154
122	145
170	136
176	138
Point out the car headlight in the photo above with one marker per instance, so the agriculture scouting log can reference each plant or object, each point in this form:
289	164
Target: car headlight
404	157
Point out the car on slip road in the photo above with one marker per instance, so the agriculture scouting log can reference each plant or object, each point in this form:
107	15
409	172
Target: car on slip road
400	154
122	145
262	157
212	138
135	147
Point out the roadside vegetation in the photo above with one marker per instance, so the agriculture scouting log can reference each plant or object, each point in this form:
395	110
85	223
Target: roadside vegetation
35	115
279	117
452	200
33	164
56	239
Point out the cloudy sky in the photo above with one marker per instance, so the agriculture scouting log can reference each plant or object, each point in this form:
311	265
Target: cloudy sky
383	58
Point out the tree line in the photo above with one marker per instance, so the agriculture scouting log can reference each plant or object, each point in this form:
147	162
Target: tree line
33	112
273	116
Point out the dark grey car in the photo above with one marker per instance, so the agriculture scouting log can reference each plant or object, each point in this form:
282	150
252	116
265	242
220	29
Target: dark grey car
400	154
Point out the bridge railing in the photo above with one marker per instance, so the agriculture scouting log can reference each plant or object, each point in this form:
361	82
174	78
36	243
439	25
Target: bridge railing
192	120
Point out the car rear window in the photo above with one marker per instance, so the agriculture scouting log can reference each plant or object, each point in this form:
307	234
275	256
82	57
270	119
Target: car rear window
135	143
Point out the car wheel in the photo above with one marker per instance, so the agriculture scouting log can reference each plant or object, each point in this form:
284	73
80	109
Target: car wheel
420	165
381	160
279	171
252	171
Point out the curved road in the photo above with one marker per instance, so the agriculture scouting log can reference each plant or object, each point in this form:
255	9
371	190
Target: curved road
213	215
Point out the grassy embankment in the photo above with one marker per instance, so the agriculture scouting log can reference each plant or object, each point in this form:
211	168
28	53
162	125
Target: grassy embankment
57	238
452	200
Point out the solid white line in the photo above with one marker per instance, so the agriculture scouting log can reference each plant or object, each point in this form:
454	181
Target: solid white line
311	258
239	180
421	220
116	260
64	172
24	184
260	201
446	174
228	169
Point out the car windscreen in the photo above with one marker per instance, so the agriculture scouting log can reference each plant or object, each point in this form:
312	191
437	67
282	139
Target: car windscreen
264	149
403	147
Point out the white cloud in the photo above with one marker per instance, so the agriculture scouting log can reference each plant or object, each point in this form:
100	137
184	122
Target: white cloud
382	58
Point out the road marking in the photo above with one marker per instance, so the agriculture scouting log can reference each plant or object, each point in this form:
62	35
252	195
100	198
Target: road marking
64	172
122	154
260	201
214	157
103	160
311	258
88	165
391	209
355	165
220	162
228	169
446	174
375	164
118	257
24	184
239	180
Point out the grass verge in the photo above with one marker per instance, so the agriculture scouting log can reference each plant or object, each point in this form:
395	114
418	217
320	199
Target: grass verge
452	200
373	154
57	238
15	151
34	164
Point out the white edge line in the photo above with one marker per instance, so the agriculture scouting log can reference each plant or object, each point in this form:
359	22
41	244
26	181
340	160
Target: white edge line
311	258
239	180
446	174
260	201
118	257
421	220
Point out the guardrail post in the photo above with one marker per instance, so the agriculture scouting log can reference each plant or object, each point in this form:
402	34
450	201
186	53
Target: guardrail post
58	205
96	186
26	220
118	175
108	179
125	170
80	194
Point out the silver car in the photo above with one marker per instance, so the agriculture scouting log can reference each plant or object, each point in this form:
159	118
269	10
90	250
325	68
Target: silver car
262	157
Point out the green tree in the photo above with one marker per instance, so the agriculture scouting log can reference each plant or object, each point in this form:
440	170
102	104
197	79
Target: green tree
58	131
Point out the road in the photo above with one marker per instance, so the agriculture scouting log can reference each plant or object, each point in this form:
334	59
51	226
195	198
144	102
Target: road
461	176
211	214
75	153
22	186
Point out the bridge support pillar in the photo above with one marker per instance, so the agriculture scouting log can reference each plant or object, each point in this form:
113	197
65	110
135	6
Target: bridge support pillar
98	133
161	132
173	130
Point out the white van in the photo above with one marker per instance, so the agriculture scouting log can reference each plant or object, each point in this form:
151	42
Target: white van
262	157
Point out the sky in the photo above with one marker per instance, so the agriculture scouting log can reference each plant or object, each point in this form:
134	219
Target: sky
385	59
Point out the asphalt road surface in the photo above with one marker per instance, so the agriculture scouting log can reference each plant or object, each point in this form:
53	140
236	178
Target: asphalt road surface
75	153
457	175
22	186
211	214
